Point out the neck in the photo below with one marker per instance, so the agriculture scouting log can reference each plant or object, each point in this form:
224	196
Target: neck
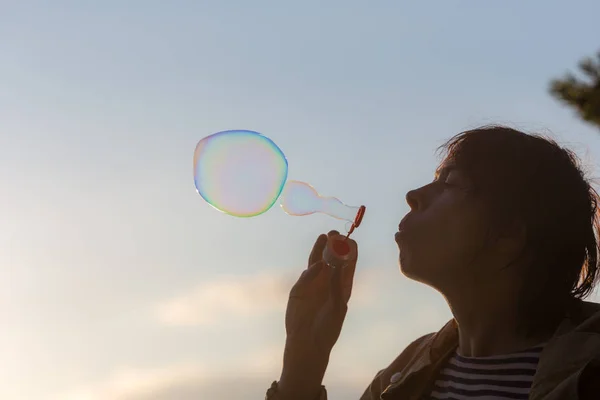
488	323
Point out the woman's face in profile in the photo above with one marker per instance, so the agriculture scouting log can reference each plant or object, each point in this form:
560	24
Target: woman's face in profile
444	232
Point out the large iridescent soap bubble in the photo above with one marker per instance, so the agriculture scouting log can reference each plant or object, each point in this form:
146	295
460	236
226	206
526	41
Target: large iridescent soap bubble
243	173
239	172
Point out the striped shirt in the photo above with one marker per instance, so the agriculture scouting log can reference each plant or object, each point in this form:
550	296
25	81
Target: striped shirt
505	377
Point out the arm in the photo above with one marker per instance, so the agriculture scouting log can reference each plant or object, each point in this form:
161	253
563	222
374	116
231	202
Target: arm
315	314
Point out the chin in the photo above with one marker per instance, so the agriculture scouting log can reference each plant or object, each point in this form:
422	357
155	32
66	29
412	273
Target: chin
405	267
412	270
407	272
406	262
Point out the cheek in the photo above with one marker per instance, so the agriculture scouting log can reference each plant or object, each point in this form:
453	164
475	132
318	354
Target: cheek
458	224
444	245
464	240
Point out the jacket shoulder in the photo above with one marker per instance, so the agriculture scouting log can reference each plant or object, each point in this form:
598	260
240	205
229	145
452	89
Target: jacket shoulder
584	318
382	379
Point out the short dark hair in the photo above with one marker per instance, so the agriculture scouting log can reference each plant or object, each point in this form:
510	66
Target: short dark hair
531	178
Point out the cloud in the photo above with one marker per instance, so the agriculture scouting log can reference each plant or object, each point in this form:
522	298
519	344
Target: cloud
355	360
368	343
254	370
226	297
244	296
132	383
187	382
231	387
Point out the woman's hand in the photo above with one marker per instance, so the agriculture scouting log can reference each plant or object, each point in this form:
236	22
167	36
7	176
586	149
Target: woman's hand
314	317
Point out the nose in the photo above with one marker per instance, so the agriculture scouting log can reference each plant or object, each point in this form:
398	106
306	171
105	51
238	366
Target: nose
413	199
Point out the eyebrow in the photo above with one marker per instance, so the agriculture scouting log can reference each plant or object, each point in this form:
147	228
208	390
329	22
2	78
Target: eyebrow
446	169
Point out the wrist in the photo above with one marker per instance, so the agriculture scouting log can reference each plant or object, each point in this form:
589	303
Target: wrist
288	390
275	393
306	360
302	374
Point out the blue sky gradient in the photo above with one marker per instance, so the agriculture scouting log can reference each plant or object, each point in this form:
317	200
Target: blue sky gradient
110	259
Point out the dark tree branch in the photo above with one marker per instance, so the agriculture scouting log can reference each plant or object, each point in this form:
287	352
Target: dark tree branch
582	95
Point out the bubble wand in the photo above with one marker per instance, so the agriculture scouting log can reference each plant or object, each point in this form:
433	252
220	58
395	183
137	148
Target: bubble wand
299	199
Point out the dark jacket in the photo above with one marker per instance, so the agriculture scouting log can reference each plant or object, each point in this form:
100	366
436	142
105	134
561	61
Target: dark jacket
569	366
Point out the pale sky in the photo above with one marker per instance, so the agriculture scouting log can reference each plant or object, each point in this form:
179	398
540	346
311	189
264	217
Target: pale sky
118	282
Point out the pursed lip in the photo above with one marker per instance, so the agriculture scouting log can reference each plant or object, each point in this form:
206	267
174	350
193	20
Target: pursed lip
402	224
398	236
401	229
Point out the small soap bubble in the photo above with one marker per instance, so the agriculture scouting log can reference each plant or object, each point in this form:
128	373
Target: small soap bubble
239	172
300	198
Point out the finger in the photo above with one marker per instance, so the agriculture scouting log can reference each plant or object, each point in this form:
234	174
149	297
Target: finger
336	289
347	282
332	233
348	274
307	276
311	272
316	254
351	265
